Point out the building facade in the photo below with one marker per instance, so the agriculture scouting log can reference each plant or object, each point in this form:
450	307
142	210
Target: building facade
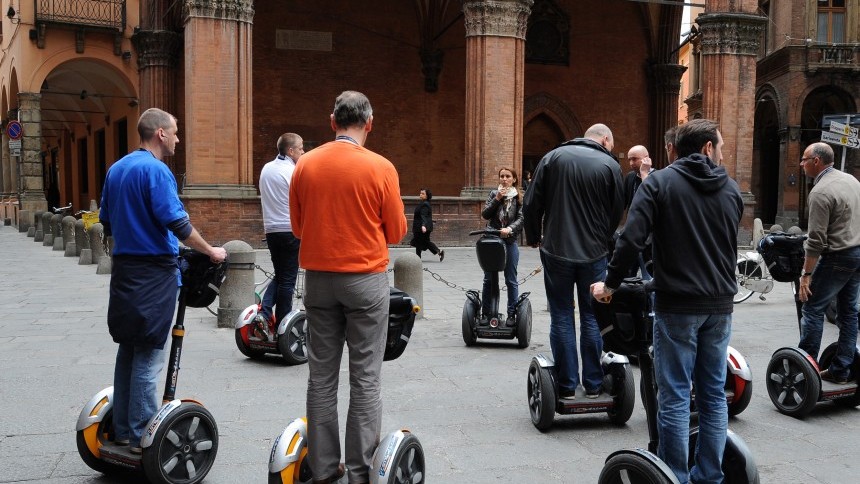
460	89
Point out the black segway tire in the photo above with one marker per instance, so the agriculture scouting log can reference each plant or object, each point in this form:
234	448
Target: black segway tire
470	312
742	401
305	476
293	343
541	396
246	350
104	429
827	356
792	383
624	399
184	446
630	468
830	312
407	465
524	324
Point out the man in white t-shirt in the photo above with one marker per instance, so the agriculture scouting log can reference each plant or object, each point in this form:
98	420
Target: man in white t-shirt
284	247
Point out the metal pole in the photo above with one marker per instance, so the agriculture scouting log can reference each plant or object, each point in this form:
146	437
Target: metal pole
845	148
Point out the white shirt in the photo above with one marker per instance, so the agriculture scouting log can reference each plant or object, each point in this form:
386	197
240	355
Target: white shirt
275	194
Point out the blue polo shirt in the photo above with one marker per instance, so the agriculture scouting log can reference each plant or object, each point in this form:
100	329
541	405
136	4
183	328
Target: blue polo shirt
139	200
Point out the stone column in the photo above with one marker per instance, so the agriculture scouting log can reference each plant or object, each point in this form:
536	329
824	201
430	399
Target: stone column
31	192
667	81
495	56
730	42
218	143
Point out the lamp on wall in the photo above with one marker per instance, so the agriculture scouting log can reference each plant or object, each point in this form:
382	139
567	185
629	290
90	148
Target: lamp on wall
792	180
11	12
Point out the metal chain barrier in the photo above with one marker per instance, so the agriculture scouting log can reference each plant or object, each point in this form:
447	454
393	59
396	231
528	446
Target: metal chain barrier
452	285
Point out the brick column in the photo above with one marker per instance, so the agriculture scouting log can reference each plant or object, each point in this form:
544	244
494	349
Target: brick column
729	47
495	56
667	79
31	195
6	186
218	134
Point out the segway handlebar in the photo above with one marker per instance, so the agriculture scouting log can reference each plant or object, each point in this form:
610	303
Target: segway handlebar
495	232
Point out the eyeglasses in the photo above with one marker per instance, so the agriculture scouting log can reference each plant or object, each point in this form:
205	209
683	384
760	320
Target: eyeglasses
807	158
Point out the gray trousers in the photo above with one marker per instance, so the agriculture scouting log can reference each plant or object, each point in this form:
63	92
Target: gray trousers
352	308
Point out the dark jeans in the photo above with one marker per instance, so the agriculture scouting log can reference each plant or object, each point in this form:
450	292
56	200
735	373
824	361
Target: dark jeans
512	258
284	248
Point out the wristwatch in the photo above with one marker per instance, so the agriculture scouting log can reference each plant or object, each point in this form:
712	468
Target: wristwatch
806	274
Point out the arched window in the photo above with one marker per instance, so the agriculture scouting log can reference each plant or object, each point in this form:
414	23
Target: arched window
831	21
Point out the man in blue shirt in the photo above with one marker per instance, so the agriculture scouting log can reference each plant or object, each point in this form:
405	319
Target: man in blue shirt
140	207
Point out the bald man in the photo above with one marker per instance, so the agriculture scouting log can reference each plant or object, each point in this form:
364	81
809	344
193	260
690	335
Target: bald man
640	167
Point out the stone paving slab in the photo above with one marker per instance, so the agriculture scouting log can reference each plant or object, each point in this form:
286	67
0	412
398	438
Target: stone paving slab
466	405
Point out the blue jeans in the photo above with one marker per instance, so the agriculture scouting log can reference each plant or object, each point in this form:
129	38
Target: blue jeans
284	249
512	258
560	277
135	393
836	275
687	348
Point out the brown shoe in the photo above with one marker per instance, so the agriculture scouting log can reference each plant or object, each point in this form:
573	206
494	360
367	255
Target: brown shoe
341	471
827	376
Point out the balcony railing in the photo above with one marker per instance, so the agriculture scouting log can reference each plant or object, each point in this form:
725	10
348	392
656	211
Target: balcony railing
833	57
109	14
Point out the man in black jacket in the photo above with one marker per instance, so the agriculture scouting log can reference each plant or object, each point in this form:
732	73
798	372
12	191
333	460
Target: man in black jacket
693	209
576	200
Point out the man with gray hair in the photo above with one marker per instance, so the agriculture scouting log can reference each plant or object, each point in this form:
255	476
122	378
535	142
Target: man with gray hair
346	208
832	264
575	202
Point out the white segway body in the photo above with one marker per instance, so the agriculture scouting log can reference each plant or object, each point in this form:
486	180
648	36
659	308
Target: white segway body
287	463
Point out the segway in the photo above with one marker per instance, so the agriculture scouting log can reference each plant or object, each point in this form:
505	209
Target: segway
399	457
492	251
793	381
630	307
290	337
181	440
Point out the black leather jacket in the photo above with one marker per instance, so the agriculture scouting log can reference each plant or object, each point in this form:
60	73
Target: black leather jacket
513	214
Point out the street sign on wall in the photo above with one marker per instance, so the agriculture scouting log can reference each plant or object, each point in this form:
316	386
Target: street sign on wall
14	147
14	130
839	128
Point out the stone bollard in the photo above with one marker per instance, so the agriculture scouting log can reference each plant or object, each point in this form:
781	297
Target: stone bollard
408	277
24	221
37	222
81	240
237	291
69	244
795	230
48	239
57	230
105	263
97	249
757	233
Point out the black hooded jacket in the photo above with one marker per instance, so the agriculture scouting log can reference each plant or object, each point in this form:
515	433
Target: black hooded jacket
693	209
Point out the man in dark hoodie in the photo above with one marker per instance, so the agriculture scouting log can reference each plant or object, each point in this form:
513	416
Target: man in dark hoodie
576	200
693	209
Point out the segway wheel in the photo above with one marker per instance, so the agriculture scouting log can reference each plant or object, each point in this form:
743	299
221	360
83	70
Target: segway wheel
541	395
242	343
296	473
826	357
293	343
624	399
792	383
742	400
91	439
630	468
407	465
524	324
184	446
470	334
830	312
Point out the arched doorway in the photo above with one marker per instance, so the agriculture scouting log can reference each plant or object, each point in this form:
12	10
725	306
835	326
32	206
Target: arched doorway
820	102
540	135
765	177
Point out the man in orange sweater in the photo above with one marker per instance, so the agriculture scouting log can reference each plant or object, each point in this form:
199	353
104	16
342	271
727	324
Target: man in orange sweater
346	208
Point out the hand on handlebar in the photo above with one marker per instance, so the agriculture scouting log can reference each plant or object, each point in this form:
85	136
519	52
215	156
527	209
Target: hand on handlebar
601	293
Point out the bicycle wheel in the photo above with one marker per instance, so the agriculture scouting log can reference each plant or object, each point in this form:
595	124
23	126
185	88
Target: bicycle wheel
745	271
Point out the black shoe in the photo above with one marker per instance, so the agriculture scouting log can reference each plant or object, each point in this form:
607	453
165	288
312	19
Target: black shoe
827	376
136	450
569	395
594	393
511	321
441	255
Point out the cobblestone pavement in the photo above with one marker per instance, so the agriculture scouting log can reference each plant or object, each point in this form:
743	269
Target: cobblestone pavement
466	405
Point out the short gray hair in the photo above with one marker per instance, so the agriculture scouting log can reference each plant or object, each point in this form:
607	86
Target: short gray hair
352	108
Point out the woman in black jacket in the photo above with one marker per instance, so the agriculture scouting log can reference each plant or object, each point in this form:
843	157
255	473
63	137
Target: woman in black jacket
422	226
504	212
